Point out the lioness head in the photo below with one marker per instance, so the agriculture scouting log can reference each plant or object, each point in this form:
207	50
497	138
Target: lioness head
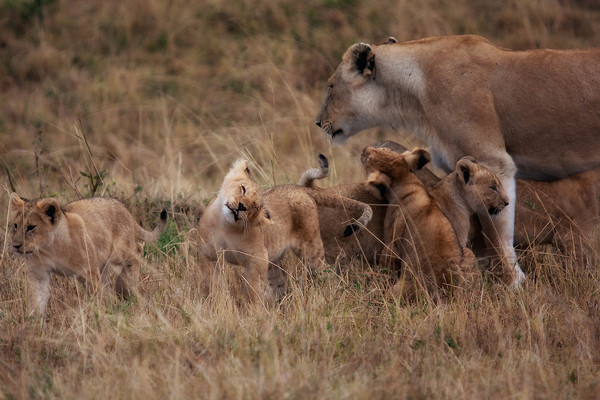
33	223
240	197
482	189
350	94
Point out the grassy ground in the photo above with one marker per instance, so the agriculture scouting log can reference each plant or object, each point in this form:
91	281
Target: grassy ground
150	102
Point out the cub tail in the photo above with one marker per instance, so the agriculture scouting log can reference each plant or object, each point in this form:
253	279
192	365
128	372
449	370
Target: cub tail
309	176
152	236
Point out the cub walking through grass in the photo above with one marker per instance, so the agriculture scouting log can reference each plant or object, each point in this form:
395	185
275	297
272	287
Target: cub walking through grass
84	238
254	229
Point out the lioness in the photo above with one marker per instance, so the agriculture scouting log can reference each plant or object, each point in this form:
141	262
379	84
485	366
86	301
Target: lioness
83	238
517	112
418	236
256	228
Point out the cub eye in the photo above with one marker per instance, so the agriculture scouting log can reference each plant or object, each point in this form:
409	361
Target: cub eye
30	228
243	189
494	188
15	226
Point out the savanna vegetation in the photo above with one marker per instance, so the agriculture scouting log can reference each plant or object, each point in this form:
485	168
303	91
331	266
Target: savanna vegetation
150	102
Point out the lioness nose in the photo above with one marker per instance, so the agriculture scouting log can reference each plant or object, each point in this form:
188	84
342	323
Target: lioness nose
318	122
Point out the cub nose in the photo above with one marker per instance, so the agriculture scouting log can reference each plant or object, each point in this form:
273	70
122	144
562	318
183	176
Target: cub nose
17	246
318	122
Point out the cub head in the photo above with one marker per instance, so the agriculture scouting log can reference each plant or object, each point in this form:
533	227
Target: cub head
353	97
482	189
240	198
33	223
392	163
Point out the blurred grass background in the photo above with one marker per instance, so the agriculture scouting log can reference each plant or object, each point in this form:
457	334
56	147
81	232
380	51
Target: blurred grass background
150	101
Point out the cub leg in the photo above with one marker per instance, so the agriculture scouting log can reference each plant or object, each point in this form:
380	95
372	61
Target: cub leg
128	279
39	287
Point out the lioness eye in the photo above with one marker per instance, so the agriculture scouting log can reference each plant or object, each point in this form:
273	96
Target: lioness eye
243	190
494	188
30	228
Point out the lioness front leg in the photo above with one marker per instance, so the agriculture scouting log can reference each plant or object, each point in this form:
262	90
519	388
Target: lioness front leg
500	233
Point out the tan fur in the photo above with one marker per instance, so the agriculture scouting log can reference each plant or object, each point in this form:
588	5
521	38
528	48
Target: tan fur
469	191
564	213
366	243
254	228
418	237
516	112
83	238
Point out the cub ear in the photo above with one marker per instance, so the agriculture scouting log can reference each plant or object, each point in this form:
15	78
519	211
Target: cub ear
265	216
240	165
417	159
465	167
362	58
16	201
391	40
381	182
50	208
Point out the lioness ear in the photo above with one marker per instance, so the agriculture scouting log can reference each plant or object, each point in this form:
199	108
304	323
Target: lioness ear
418	158
363	58
466	168
49	207
16	201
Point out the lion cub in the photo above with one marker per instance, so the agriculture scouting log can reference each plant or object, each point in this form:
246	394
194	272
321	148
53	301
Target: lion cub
418	236
338	246
254	229
83	238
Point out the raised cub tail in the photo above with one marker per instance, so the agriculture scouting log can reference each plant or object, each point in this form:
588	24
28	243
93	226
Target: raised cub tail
310	175
150	237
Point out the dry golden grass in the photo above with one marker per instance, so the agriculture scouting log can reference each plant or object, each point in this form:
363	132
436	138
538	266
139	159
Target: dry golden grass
167	95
